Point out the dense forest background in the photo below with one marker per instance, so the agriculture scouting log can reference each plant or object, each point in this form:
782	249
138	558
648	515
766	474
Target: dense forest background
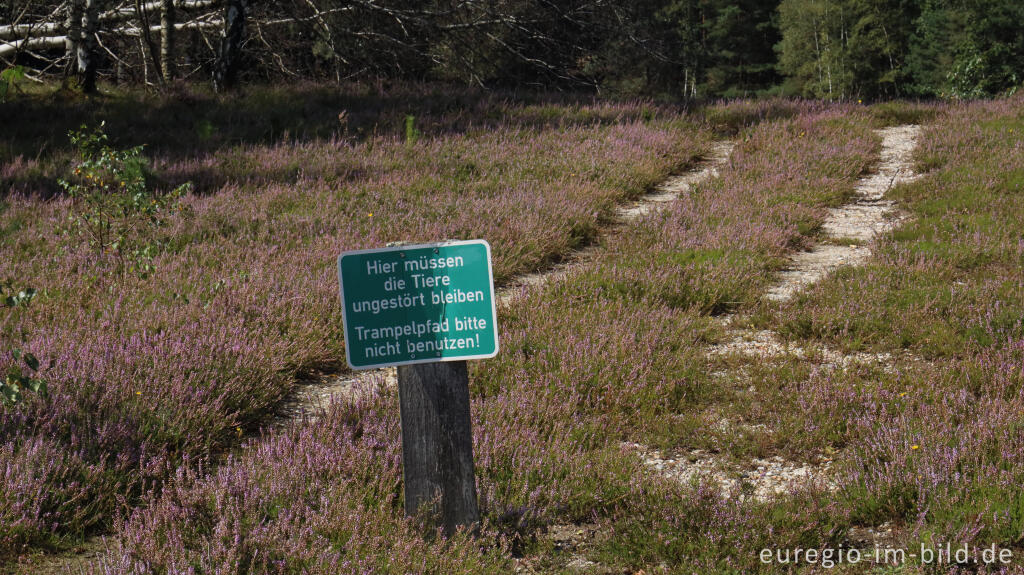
832	49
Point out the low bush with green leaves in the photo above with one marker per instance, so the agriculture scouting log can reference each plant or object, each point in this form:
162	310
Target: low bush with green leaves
115	213
9	79
19	378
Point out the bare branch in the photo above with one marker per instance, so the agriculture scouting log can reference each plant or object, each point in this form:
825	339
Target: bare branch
120	14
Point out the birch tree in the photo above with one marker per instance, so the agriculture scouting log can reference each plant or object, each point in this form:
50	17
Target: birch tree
167	22
88	56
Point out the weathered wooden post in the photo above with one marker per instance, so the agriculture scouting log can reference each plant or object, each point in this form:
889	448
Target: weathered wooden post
427	309
437	442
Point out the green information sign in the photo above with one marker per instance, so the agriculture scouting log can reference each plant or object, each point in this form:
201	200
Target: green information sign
418	304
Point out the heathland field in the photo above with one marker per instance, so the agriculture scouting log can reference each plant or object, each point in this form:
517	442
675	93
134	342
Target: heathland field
650	411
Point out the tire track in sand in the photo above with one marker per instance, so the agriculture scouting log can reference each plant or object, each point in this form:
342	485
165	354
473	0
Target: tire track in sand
849	228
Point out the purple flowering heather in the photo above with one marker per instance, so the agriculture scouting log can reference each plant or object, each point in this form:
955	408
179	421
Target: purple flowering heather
145	373
587	362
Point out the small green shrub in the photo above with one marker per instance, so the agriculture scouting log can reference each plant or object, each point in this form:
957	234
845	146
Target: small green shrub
9	79
114	212
24	373
412	135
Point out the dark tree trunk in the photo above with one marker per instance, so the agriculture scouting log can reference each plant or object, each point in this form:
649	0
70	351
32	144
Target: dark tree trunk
226	67
147	40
